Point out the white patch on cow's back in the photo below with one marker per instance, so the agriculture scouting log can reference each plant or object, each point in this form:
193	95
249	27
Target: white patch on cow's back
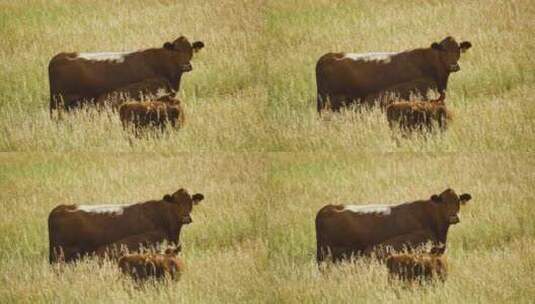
383	57
113	209
105	56
369	209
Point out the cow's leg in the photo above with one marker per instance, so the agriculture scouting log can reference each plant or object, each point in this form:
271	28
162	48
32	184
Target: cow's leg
322	102
408	241
56	254
342	253
63	102
322	252
60	254
131	243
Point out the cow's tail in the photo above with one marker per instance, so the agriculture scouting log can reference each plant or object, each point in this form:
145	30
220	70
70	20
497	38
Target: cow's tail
321	248
53	99
56	99
52	257
321	98
55	251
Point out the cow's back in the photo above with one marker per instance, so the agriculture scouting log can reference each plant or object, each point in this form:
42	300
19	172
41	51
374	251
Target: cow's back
83	229
344	78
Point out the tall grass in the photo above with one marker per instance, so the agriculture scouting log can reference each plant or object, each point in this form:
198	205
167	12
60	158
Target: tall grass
252	238
255	146
253	86
489	252
224	101
223	249
491	97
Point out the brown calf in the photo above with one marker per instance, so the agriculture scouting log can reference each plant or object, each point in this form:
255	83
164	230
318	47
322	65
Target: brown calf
151	114
416	267
159	266
418	115
139	91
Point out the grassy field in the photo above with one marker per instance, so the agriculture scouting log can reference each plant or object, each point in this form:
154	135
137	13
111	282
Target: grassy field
253	86
224	100
491	97
252	239
223	249
255	146
490	252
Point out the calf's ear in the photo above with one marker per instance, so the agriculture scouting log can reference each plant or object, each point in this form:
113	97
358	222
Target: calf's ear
435	198
465	197
465	45
197	46
168	45
197	198
168	198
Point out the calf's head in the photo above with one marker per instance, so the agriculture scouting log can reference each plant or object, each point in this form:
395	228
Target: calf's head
448	203
182	204
449	52
183	51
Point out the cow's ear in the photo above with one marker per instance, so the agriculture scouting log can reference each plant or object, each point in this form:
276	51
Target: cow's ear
173	250
197	46
168	45
168	198
465	197
197	198
436	46
435	198
465	45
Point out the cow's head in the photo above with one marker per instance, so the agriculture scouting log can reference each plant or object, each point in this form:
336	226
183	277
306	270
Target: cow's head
450	51
449	204
183	52
182	204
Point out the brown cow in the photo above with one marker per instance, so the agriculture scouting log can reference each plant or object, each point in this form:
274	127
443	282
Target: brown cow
417	267
76	78
79	230
345	78
154	114
418	115
159	266
346	230
140	91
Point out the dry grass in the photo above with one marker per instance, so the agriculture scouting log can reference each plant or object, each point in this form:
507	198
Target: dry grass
223	249
223	99
253	90
491	97
490	252
253	86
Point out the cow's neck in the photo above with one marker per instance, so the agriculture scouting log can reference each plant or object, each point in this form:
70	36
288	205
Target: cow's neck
171	224
174	236
163	65
175	82
414	210
439	225
432	65
427	216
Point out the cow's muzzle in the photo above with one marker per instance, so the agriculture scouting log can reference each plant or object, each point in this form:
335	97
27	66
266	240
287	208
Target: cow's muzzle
186	67
455	67
454	219
187	220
